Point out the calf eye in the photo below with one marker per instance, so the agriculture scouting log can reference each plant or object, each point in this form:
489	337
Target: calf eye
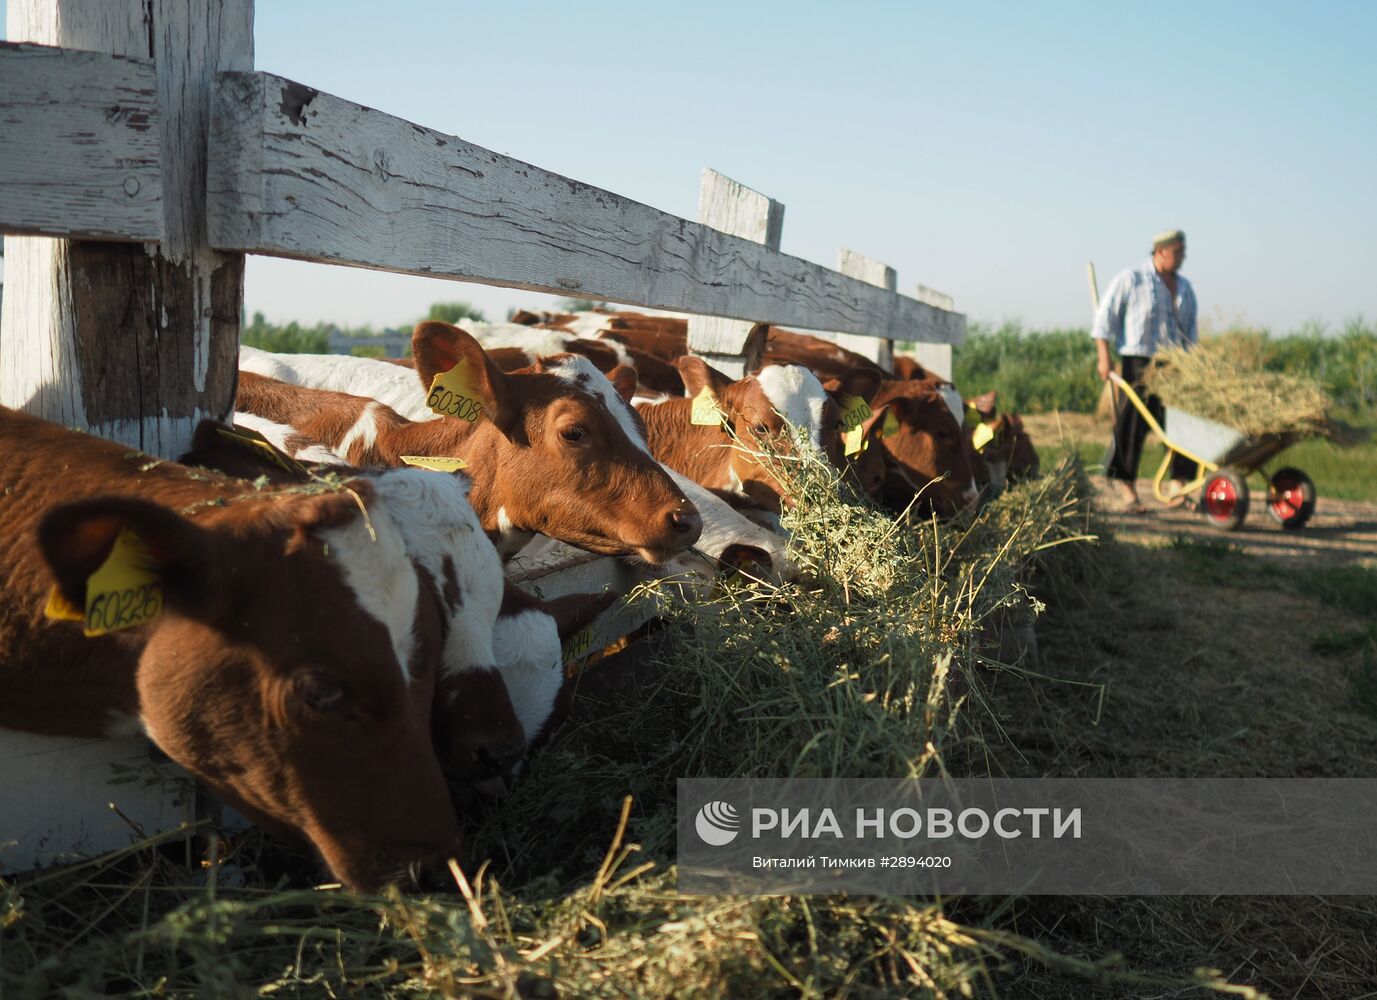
760	430
574	433
318	692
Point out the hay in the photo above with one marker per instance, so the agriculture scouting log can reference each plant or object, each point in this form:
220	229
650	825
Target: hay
1224	379
873	667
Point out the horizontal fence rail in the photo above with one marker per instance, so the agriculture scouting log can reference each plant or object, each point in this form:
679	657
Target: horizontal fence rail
298	173
79	145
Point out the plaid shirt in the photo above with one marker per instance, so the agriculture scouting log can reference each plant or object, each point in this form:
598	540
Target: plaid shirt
1138	316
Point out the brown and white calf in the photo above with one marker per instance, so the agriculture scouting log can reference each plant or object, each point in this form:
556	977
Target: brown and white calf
1005	449
928	457
494	699
292	647
781	410
556	450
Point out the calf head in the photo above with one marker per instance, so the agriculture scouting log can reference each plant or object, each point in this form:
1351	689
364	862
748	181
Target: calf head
855	449
927	451
557	450
781	410
312	716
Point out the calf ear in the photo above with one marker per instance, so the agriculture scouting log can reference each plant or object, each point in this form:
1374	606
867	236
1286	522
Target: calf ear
984	404
698	375
863	382
437	347
906	367
76	538
624	380
573	611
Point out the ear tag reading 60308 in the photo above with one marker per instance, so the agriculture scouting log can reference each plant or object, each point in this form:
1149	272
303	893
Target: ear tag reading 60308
125	591
706	412
455	394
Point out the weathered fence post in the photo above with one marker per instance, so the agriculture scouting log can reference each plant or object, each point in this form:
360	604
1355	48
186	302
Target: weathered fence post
855	265
936	358
736	209
135	342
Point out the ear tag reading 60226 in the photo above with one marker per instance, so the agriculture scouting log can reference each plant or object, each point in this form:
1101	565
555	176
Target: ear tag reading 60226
125	591
706	412
455	394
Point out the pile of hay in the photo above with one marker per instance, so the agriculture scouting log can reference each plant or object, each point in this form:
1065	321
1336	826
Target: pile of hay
1223	379
874	667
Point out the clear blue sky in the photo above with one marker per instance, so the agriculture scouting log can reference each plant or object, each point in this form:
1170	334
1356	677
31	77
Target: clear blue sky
987	150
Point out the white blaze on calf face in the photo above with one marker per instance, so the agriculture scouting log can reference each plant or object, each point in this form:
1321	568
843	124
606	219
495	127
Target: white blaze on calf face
531	663
798	397
442	533
375	567
581	374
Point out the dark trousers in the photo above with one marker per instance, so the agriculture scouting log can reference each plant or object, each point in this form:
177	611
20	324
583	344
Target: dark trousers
1126	448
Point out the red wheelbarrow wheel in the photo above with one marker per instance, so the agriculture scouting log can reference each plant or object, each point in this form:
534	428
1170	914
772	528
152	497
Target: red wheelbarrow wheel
1291	498
1224	500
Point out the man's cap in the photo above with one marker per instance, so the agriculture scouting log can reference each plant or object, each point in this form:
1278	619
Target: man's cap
1168	236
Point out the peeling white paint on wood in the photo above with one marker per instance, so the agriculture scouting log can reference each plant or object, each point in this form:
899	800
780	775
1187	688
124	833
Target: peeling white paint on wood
56	794
730	207
79	146
878	349
303	174
135	338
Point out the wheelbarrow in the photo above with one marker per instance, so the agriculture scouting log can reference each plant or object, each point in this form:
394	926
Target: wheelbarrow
1224	460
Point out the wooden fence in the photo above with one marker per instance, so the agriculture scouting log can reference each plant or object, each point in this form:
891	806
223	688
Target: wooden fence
141	157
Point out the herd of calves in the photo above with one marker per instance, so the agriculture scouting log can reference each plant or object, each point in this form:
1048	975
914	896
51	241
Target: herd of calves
307	616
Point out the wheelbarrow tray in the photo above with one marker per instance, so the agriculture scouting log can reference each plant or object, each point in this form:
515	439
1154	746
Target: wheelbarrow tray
1220	444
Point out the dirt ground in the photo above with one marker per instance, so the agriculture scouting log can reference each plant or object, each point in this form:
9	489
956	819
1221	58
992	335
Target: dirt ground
1195	652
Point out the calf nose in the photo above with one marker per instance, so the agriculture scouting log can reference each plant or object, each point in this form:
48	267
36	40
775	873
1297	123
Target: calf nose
686	524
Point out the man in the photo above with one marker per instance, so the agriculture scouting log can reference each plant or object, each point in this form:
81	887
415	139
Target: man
1144	310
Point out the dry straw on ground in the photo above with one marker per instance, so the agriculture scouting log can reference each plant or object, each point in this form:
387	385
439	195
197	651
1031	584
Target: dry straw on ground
876	666
1223	379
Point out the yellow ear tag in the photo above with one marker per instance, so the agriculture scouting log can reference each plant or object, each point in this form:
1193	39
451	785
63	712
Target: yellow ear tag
705	410
60	609
125	591
983	435
577	646
455	394
855	441
890	425
435	464
256	443
854	412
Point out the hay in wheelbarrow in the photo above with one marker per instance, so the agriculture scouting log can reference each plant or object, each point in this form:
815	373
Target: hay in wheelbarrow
872	667
1224	379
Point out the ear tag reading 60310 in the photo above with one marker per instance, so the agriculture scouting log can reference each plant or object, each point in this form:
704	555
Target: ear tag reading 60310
455	394
854	412
125	591
706	412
